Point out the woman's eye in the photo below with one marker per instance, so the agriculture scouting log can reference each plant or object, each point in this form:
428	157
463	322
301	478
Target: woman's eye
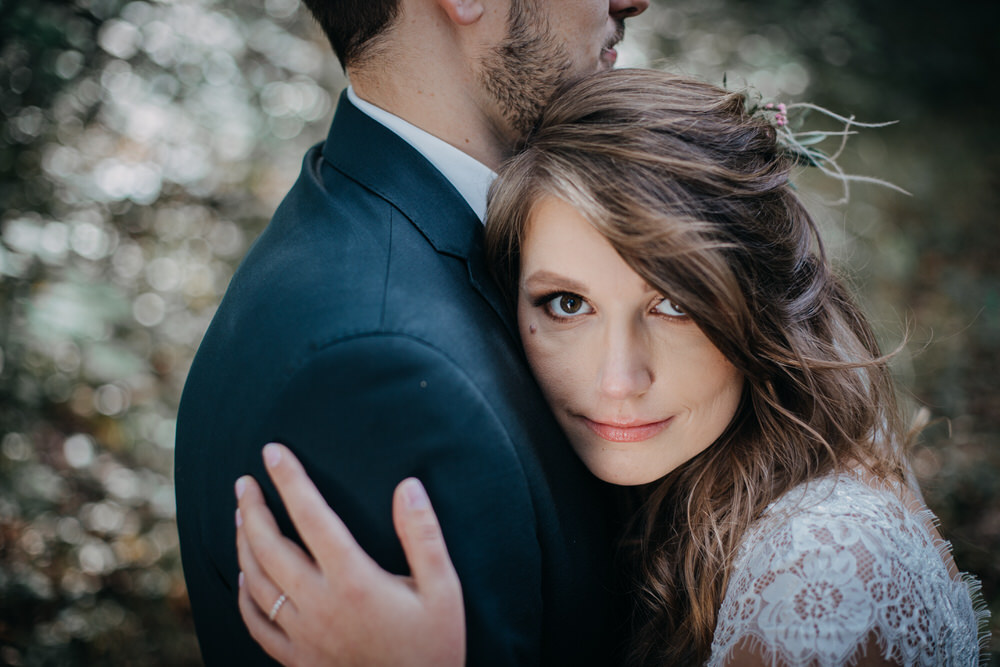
567	305
669	308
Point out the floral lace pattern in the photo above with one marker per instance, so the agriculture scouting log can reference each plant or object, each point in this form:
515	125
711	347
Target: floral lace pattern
835	561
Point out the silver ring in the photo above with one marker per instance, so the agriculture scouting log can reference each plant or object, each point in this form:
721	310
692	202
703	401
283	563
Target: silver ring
276	606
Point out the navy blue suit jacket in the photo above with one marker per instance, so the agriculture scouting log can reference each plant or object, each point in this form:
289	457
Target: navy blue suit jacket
364	331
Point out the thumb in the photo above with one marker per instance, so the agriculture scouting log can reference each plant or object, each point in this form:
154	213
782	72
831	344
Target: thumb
420	533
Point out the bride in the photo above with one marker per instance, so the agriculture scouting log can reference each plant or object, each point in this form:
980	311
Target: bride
693	341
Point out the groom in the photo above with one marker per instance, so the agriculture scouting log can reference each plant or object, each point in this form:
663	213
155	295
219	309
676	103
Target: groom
364	331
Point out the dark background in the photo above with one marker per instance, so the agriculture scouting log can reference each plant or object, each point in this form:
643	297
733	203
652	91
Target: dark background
143	146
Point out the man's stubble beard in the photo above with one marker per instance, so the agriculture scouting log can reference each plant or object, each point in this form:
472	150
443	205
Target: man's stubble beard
526	68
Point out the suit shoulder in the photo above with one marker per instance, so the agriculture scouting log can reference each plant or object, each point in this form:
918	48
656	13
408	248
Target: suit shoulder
386	358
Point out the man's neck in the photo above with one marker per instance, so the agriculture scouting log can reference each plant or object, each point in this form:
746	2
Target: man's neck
427	77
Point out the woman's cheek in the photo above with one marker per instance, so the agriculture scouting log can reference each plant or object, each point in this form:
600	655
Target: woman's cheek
547	358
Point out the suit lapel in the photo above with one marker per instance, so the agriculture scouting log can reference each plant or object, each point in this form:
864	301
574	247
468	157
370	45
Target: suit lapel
381	161
482	280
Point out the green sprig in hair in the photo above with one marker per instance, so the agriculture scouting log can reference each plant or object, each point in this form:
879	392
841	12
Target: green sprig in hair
803	145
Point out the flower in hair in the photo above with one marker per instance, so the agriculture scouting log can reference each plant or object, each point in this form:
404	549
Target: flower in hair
803	145
781	115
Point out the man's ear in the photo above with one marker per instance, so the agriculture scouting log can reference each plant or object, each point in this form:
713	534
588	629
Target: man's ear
462	12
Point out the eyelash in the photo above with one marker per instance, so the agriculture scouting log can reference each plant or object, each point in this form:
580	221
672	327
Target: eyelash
676	306
545	300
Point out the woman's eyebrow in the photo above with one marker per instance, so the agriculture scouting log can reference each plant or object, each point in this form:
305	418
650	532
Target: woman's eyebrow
544	278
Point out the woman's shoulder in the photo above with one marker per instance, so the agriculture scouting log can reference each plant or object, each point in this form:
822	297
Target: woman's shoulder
840	509
837	560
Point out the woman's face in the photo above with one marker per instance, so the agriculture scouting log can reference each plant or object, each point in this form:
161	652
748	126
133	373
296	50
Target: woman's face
636	385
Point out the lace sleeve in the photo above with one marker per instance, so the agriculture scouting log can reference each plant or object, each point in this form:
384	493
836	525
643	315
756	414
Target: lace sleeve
823	572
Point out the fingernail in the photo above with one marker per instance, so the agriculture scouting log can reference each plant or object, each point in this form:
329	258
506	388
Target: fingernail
241	579
241	486
415	495
239	518
272	454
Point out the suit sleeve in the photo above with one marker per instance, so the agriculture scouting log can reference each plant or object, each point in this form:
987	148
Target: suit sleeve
363	414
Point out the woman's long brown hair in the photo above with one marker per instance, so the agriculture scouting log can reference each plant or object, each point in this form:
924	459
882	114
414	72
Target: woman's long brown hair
692	191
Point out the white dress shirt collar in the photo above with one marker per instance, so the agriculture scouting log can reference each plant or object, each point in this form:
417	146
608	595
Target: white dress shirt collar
470	177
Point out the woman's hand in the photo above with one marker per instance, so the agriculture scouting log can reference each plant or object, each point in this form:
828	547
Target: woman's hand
339	607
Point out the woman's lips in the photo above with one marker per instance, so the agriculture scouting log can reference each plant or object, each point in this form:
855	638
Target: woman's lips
626	432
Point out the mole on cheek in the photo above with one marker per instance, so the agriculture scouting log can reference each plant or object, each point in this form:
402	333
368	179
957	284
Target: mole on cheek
532	328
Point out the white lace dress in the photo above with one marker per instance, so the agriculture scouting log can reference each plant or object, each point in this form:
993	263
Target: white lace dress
832	562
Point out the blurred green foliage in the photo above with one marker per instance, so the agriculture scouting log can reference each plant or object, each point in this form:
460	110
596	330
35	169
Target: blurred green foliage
144	144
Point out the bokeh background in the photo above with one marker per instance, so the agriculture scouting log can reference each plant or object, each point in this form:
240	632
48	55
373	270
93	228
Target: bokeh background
144	144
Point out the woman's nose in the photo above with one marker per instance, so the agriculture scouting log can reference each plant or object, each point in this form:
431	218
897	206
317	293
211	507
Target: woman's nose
625	372
622	9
